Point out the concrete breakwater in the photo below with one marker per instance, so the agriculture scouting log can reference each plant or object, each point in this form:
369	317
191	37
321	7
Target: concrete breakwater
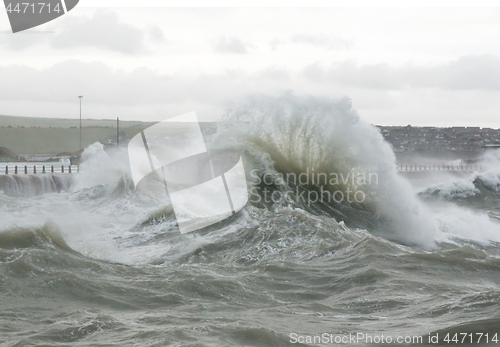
33	179
33	185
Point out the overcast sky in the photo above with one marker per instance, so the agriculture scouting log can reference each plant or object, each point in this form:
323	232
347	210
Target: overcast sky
419	66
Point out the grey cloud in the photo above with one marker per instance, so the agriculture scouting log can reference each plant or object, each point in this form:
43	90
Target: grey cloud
103	31
156	34
231	45
348	73
22	40
318	40
466	73
106	86
277	74
147	94
103	85
274	43
329	42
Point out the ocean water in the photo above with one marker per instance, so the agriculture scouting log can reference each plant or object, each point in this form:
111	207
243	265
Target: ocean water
87	261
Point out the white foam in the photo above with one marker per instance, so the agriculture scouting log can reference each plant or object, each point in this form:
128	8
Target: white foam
325	135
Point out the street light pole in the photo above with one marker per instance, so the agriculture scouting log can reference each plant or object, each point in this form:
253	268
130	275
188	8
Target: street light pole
117	131
80	97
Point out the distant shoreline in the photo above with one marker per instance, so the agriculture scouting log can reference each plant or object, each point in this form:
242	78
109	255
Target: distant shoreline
25	136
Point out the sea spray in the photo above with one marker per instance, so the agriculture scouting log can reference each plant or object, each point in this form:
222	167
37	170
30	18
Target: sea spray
100	168
323	135
34	184
466	208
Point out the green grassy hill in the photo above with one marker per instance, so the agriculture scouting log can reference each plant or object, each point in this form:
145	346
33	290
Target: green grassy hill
28	122
31	135
56	140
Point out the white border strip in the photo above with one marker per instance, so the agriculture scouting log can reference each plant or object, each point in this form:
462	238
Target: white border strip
289	3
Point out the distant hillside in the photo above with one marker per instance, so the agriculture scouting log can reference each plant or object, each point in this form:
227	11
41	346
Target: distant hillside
35	122
31	135
58	140
7	153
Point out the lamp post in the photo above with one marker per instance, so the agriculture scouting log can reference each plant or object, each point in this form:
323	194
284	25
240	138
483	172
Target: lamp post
80	97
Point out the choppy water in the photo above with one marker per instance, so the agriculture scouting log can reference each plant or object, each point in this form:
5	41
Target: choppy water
96	264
